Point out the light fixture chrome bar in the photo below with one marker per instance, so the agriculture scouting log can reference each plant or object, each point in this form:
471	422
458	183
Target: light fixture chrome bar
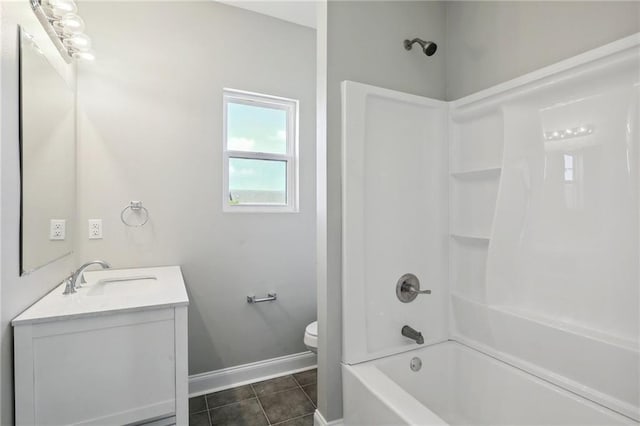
46	24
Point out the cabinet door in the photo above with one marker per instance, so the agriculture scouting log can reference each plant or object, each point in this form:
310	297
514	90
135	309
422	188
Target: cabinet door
114	369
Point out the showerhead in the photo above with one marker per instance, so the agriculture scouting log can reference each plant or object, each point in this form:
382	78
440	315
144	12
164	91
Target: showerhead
428	47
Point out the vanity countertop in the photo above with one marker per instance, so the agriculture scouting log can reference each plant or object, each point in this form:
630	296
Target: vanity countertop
111	290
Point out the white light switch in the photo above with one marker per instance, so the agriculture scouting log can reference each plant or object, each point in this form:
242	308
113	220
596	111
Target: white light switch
95	229
57	229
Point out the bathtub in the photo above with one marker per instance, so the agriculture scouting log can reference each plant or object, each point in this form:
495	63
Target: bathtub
458	385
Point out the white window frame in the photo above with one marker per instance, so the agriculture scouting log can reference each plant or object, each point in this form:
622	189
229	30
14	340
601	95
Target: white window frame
291	106
567	168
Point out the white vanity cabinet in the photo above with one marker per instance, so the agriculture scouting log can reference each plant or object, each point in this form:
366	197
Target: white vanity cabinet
114	353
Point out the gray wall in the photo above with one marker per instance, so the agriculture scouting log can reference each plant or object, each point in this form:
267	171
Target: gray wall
150	129
364	44
492	42
17	293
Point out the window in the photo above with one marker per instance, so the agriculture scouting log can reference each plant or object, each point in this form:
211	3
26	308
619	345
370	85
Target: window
569	168
260	153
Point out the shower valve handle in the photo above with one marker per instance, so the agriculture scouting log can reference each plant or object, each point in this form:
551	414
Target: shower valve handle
408	288
411	289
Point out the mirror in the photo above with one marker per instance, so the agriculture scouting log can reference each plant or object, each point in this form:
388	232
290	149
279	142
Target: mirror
47	159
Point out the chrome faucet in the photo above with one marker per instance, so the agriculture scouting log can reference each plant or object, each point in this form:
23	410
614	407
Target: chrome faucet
72	282
413	334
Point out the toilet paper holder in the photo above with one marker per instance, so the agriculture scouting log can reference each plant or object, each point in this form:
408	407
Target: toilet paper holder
270	297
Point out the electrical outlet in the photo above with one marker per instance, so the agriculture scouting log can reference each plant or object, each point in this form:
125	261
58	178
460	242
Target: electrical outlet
95	229
57	229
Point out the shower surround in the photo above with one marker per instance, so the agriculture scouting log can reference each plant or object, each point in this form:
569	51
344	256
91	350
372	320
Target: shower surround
541	236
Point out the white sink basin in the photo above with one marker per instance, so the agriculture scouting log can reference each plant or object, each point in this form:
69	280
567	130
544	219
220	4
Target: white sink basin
133	284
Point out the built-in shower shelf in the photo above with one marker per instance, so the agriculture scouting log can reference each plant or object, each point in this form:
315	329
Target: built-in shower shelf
471	237
480	173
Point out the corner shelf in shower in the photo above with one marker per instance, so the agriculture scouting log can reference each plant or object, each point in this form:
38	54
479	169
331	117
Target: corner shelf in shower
473	203
476	156
468	265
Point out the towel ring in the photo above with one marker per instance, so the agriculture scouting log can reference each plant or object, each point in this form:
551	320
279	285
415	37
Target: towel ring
136	207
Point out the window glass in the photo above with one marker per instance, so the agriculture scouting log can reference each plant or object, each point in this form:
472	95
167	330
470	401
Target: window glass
568	168
255	128
257	181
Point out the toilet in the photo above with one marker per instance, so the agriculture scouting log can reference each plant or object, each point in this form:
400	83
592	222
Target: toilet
311	337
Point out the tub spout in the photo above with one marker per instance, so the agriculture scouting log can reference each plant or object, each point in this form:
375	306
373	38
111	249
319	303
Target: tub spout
413	334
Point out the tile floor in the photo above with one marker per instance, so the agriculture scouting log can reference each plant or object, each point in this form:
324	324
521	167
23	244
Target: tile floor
284	401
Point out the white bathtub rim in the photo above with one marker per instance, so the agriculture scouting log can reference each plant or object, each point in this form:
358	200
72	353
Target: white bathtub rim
408	408
604	402
398	400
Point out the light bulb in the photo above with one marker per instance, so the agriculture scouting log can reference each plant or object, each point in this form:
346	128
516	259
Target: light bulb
85	55
69	24
77	42
56	9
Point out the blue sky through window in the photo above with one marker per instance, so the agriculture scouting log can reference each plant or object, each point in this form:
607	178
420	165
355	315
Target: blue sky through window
257	175
253	128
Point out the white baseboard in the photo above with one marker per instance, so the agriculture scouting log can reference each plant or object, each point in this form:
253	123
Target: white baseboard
226	378
318	420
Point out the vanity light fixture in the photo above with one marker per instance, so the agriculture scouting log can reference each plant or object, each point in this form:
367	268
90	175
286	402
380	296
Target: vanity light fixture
574	132
77	42
55	9
66	29
85	56
68	25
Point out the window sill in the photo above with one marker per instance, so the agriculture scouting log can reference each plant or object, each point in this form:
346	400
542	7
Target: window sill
260	209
